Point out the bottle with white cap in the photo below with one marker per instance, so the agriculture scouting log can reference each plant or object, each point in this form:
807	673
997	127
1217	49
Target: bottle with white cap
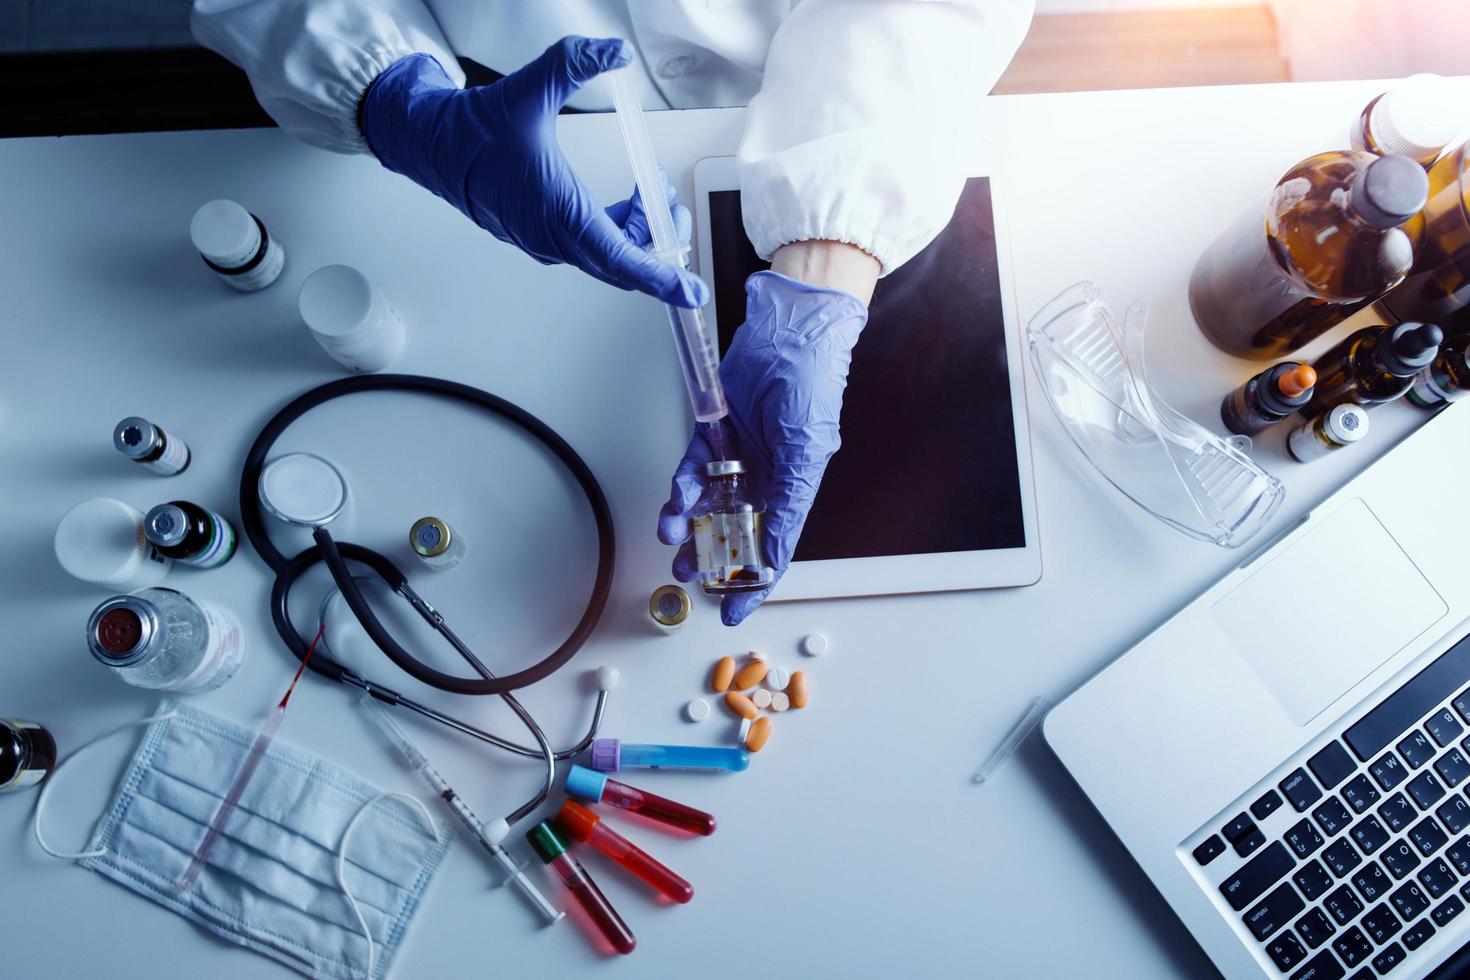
1416	118
350	319
1339	428
236	246
102	541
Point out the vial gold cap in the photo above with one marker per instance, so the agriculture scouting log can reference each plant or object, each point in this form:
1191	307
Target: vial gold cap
430	537
669	605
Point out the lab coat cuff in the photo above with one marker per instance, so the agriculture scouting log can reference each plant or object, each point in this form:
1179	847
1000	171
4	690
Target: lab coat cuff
811	228
358	76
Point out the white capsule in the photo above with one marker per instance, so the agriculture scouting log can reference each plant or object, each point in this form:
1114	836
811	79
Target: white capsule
697	710
814	644
607	678
780	701
744	731
777	678
761	698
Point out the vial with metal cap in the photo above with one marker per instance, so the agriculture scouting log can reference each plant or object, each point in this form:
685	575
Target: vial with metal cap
1341	427
727	532
187	532
235	245
436	543
164	640
151	446
669	608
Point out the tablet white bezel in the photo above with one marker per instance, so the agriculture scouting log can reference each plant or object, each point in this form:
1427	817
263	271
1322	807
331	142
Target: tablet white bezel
941	572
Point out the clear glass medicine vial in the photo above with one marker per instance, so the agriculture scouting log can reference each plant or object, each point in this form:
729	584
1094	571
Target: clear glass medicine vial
235	245
436	543
727	532
189	533
1339	428
669	608
151	446
165	640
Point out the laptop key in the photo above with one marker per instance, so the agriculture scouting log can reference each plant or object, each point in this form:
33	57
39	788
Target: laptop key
1416	749
1332	816
1359	793
1312	879
1443	727
1459	855
1462	704
1455	814
1397	812
1427	836
1418	934
1353	946
1273	911
1285	951
1392	955
1410	900
1437	878
1249	843
1256	875
1303	838
1426	789
1446	911
1341	857
1452	767
1315	928
1331	765
1209	849
1402	709
1300	790
1240	826
1400	859
1371	882
1388	771
1344	905
1369	834
1320	967
1381	924
1266	805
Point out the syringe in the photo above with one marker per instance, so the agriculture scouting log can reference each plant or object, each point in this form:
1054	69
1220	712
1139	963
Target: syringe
698	355
461	809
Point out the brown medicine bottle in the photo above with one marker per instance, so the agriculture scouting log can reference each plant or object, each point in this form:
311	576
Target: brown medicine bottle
1372	366
1333	238
1439	286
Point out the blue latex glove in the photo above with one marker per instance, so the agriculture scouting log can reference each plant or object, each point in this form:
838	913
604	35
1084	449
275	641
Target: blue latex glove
491	151
784	376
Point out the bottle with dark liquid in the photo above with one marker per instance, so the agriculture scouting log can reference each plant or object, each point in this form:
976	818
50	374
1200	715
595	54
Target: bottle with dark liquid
1439	286
1448	378
1333	238
1416	118
27	754
1372	366
1268	398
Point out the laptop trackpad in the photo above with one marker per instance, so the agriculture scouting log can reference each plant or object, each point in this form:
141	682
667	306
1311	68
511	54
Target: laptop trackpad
1329	609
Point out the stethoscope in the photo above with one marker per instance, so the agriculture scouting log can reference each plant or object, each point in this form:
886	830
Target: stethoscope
337	554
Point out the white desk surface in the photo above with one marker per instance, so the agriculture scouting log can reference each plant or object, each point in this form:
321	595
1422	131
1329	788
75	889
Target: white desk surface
855	845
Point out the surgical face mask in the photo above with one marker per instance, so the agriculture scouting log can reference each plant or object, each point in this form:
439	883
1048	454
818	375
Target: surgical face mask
316	868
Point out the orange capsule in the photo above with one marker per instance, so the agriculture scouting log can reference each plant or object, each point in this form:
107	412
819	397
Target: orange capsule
741	705
759	733
750	675
796	690
719	681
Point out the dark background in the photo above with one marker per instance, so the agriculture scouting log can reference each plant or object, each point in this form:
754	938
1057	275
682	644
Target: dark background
928	457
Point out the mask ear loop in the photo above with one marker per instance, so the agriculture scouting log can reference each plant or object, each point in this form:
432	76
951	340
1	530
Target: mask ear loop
342	863
51	783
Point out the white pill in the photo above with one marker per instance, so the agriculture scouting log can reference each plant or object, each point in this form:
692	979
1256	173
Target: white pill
697	710
814	644
761	698
777	678
744	731
758	656
780	701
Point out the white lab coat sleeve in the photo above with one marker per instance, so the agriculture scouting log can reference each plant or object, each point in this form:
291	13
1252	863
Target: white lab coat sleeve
866	114
310	61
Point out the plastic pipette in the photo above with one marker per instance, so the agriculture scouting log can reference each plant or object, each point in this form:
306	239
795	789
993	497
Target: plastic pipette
698	355
461	809
1007	748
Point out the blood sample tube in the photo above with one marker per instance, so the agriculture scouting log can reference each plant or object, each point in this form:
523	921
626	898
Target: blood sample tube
595	787
612	755
553	852
582	825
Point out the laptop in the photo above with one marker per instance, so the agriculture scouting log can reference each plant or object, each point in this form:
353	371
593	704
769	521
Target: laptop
1288	758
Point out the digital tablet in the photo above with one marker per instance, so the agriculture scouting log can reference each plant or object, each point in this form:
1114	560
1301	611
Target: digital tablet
932	488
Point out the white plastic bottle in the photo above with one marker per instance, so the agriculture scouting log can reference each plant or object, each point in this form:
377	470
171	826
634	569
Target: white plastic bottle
350	319
102	541
235	244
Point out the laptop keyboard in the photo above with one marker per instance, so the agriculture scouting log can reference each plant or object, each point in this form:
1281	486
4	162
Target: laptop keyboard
1359	856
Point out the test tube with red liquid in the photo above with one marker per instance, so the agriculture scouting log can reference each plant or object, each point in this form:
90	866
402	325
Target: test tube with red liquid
553	852
582	825
591	786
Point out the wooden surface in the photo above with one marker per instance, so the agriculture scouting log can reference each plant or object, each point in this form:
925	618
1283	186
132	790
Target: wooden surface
1146	49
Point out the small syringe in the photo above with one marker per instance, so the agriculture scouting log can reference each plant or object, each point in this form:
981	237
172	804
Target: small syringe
1007	748
698	355
445	792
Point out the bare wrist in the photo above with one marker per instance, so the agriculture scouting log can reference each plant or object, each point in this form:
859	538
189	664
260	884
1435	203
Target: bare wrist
835	265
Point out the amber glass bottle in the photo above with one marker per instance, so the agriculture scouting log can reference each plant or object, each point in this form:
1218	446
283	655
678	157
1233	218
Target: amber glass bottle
1439	286
1372	366
1329	243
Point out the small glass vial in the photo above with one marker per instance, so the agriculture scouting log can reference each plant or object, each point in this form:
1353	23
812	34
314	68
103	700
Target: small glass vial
102	541
669	608
350	319
191	534
436	543
727	532
27	754
1268	398
235	245
150	446
164	640
1446	380
1417	118
1341	427
1373	366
